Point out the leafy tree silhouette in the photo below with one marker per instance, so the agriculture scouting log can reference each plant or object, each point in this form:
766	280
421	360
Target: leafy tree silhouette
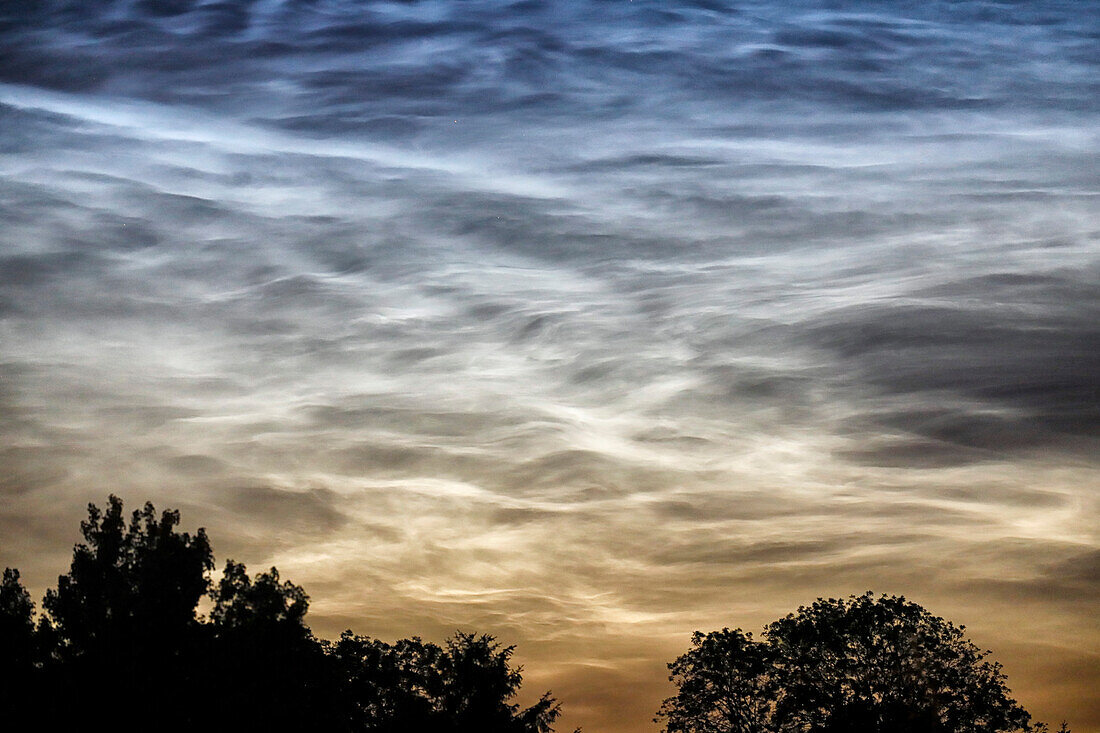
120	638
123	618
387	687
262	649
17	640
723	683
874	665
129	588
464	686
477	682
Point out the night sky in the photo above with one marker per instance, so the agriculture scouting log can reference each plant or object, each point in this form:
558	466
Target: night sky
586	324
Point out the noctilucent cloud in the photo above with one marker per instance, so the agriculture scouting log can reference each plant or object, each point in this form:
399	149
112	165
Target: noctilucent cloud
586	324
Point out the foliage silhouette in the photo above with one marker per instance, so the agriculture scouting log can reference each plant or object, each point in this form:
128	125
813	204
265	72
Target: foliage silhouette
128	586
120	637
873	665
17	639
723	685
262	649
464	686
123	617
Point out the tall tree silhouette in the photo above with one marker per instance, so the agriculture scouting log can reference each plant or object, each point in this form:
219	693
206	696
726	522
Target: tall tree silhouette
874	665
129	588
478	682
17	640
123	617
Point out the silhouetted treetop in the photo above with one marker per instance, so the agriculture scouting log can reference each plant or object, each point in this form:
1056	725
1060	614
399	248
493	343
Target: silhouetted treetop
17	641
464	686
16	623
723	685
16	609
874	665
241	603
135	582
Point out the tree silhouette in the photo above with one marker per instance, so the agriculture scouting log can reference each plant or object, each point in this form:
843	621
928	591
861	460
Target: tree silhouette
874	665
477	683
121	640
723	685
263	607
387	687
123	617
17	639
464	686
128	589
262	650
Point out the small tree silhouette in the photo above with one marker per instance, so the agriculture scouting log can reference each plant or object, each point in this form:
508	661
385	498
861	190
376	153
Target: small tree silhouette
723	683
465	686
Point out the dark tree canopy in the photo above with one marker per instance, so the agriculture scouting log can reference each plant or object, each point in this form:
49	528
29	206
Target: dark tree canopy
121	638
123	618
874	665
16	619
260	648
723	685
465	686
17	637
264	606
129	586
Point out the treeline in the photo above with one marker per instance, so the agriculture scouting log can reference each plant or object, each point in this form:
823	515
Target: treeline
120	645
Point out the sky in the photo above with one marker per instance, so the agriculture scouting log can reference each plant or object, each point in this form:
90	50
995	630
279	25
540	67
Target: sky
587	324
